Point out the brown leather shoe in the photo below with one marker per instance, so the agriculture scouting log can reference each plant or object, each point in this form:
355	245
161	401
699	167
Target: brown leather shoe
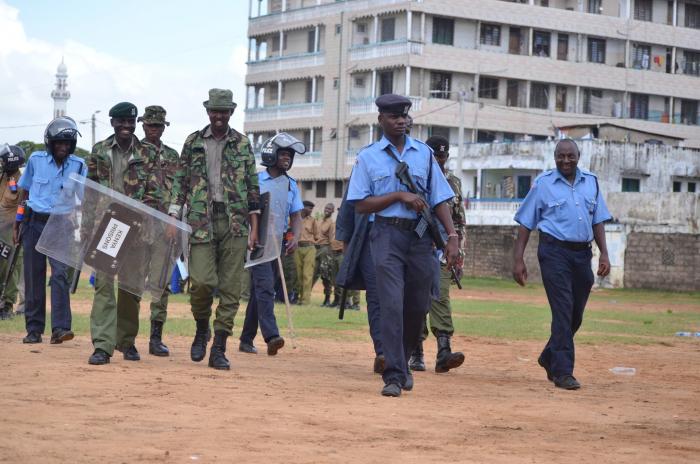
274	345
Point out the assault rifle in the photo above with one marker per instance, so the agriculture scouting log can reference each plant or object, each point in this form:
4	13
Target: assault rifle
427	221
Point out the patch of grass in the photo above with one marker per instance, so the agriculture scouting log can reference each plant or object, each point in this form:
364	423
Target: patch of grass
475	318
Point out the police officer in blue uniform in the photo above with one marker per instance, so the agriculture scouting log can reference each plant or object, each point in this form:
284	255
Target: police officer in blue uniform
567	208
277	155
402	249
42	182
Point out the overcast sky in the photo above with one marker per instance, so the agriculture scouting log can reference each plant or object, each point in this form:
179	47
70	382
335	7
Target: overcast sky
168	53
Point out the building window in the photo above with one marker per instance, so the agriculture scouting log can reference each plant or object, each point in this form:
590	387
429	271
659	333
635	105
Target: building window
691	187
440	84
307	185
441	131
639	106
488	88
311	41
560	102
592	101
643	9
539	96
338	29
692	63
677	186
338	189
641	56
594	6
491	34
275	44
354	133
360	82
596	50
361	28
541	43
563	47
321	189
388	30
336	81
386	82
630	184
692	16
689	112
443	31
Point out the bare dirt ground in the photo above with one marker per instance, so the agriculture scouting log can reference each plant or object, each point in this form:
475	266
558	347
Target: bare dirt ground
320	402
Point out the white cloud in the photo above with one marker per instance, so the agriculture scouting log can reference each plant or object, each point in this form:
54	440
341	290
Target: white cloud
98	80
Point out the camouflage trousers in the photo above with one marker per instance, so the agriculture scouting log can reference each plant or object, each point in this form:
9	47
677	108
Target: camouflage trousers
353	295
12	284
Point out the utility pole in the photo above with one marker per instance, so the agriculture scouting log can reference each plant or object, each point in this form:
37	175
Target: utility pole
462	94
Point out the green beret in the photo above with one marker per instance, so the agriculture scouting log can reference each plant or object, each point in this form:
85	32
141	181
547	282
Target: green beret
123	110
154	114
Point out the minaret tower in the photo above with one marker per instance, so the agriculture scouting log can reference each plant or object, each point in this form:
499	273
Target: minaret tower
60	94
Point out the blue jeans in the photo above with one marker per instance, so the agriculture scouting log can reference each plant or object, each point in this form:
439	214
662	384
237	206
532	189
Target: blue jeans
261	305
567	279
35	284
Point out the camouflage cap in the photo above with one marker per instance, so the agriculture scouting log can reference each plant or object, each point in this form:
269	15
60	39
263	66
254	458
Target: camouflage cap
154	114
220	99
123	110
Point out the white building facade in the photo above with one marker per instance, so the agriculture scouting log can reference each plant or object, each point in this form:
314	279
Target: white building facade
506	71
60	93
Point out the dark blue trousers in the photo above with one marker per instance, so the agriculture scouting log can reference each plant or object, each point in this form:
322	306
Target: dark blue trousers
568	279
261	304
404	267
35	284
366	267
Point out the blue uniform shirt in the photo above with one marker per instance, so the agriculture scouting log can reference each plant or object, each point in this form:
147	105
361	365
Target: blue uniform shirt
374	175
294	202
564	211
44	179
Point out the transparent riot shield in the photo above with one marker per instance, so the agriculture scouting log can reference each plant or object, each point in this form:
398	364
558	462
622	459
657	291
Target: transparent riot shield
117	236
9	254
272	221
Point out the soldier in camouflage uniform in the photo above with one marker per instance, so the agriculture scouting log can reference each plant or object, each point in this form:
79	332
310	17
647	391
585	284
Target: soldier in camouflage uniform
324	259
122	163
440	310
154	123
218	182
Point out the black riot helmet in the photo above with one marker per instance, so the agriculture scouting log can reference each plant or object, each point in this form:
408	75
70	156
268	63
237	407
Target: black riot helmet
11	157
63	128
281	141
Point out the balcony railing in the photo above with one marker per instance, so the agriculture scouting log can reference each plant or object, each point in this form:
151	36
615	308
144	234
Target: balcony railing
351	155
283	63
308	159
385	49
366	105
271	113
493	204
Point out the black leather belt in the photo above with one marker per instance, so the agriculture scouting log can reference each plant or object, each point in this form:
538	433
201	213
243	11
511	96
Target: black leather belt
218	207
575	246
41	217
401	223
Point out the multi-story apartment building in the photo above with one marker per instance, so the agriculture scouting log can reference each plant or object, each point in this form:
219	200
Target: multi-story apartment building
503	70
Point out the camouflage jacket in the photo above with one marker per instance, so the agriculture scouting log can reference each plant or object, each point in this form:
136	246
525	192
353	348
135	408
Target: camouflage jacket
240	184
165	167
139	181
9	199
457	204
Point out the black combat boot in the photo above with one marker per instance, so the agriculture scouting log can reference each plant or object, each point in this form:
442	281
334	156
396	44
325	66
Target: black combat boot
335	302
155	345
416	361
217	358
201	338
446	359
326	301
